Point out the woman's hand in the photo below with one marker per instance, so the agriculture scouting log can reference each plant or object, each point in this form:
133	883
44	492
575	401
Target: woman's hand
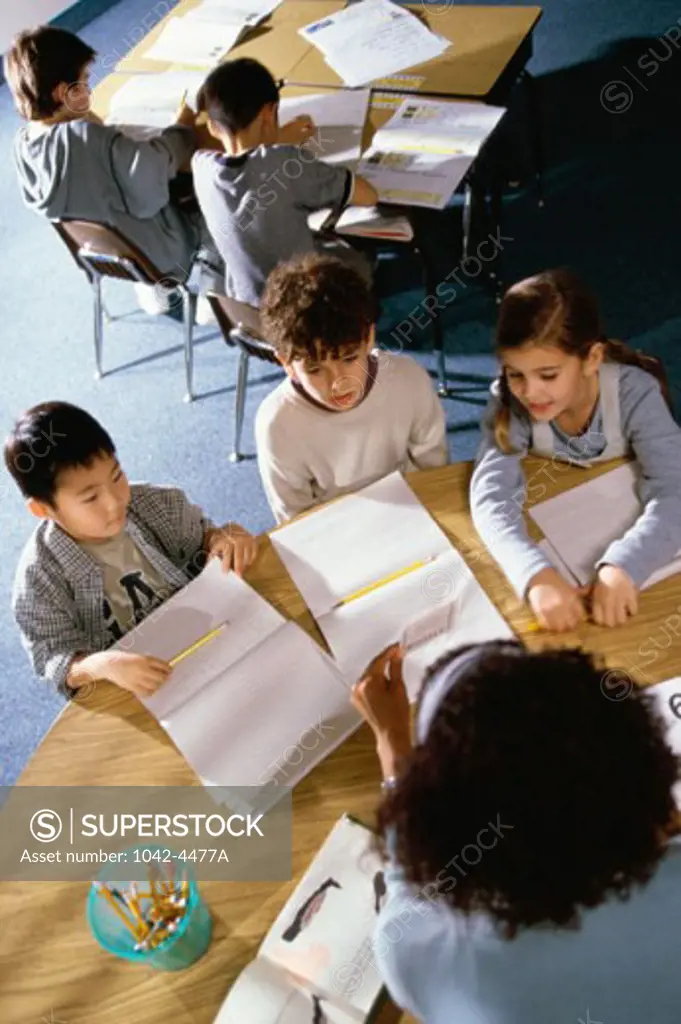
381	698
614	596
557	605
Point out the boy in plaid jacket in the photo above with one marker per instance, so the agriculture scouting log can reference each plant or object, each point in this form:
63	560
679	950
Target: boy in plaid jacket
105	554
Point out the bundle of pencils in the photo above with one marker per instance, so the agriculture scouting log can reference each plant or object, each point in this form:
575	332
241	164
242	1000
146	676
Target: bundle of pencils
151	915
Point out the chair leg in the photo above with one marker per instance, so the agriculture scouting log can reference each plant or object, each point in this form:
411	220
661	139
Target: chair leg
96	282
467	219
189	313
240	405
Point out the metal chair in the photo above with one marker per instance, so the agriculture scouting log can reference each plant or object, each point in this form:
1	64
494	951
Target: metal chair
240	327
103	251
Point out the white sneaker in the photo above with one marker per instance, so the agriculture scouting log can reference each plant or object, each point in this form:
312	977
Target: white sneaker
204	315
155	299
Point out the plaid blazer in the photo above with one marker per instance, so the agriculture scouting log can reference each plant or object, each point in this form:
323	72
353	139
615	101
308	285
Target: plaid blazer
58	596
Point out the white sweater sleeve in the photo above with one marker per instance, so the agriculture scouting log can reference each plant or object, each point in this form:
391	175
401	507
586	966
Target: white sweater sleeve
428	434
285	478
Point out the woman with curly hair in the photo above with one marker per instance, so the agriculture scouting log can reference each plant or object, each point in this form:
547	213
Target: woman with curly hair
531	872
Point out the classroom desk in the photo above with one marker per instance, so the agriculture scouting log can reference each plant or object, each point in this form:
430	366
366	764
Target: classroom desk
48	961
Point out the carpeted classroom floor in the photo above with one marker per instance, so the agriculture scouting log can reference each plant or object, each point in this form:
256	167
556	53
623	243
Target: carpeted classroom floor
609	86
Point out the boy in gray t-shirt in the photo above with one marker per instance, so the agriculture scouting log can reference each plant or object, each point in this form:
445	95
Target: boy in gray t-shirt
256	197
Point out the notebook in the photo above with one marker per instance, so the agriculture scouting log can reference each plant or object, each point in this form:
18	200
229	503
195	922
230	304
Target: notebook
314	963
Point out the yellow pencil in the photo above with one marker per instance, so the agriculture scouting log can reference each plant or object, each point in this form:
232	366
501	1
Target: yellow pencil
198	643
382	582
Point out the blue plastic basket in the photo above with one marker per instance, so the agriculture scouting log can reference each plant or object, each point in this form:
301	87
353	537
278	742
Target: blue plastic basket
182	948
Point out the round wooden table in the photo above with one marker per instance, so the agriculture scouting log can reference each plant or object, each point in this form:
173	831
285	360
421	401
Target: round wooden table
50	967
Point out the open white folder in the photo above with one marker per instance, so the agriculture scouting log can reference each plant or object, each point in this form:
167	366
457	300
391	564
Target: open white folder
239	705
363	538
581	523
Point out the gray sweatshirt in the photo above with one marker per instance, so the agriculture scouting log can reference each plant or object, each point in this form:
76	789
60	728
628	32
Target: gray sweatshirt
80	170
640	424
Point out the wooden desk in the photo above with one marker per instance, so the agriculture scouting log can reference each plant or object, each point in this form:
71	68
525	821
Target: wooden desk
275	43
48	960
485	41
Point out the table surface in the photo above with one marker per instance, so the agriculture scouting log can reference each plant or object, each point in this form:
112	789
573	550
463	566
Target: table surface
111	739
484	41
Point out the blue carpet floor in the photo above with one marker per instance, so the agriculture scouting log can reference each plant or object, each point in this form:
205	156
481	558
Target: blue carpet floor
609	89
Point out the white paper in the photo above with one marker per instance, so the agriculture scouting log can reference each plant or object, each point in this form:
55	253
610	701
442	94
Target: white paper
264	994
194	42
427	627
336	929
339	118
154	100
360	630
668	699
412	178
440	126
365	222
269	718
236	12
356	541
547	547
373	39
581	523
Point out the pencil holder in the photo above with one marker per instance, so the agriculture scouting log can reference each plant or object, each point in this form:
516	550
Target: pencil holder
107	922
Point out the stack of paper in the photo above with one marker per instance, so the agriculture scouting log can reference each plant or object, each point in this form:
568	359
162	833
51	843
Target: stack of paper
604	508
258	705
377	533
365	222
154	100
201	36
339	117
373	39
425	150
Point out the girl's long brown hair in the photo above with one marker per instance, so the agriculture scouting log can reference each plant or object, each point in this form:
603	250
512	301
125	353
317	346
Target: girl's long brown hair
556	308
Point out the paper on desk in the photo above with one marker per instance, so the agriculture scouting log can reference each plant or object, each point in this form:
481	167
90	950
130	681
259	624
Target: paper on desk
439	126
236	12
154	100
412	178
365	222
339	117
194	42
667	697
372	40
360	630
269	718
356	541
581	523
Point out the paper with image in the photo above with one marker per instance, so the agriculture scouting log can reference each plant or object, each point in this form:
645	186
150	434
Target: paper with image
264	994
413	178
604	509
439	126
667	697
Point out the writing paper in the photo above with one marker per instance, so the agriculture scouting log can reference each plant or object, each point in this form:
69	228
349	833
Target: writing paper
154	100
339	118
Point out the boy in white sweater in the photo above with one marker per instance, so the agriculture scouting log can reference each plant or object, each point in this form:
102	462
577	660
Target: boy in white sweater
346	415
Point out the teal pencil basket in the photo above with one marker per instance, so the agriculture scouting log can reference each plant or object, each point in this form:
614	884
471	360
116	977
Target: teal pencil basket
189	942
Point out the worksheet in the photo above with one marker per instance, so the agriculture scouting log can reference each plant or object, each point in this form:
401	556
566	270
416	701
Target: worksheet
193	41
154	100
339	117
439	126
581	523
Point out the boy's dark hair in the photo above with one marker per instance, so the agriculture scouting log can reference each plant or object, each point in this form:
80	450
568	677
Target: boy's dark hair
235	92
38	61
48	439
314	303
568	777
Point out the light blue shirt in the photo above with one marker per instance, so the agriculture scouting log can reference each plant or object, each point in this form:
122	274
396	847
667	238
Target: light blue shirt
621	966
649	432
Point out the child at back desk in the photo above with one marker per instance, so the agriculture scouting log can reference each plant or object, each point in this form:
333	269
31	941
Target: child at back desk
346	415
257	196
567	392
71	166
105	554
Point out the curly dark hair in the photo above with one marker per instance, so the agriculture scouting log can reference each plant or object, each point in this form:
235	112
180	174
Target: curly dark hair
578	786
316	305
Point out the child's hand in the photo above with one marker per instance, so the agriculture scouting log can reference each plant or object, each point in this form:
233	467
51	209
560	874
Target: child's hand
234	546
139	673
556	605
297	131
614	596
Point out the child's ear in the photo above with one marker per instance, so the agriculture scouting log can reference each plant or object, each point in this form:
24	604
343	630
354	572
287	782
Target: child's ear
594	358
40	509
59	93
